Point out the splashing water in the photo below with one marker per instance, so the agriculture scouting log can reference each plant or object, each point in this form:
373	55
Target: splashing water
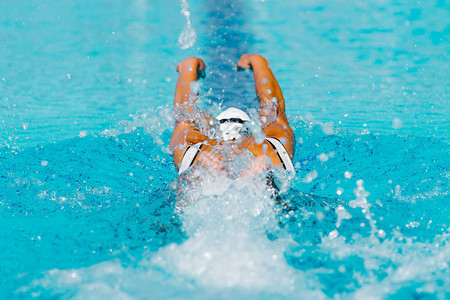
188	36
88	215
361	201
234	239
234	244
228	245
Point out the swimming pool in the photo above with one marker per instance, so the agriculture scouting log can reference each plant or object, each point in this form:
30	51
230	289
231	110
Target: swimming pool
86	179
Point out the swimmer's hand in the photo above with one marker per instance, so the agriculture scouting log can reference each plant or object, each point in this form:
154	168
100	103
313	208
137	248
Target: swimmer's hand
248	61
211	161
192	64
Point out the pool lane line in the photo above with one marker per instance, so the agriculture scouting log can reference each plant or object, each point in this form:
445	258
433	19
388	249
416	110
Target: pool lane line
227	39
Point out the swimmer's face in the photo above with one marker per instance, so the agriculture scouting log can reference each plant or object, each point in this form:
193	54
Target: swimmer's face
232	131
231	123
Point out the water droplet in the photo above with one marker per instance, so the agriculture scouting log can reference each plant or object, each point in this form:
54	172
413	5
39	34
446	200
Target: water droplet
333	234
327	128
397	123
381	233
195	87
310	176
323	157
320	215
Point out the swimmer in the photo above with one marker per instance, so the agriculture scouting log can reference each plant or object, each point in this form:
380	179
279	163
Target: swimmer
190	146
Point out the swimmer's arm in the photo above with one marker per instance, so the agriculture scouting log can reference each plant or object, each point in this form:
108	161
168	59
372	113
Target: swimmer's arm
267	88
185	135
189	70
185	132
266	85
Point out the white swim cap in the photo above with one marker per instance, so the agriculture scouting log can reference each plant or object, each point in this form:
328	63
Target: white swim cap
232	123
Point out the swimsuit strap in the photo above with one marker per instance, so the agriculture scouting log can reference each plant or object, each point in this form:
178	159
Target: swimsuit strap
189	156
283	155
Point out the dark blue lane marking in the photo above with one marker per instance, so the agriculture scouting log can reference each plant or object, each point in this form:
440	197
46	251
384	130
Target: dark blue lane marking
227	39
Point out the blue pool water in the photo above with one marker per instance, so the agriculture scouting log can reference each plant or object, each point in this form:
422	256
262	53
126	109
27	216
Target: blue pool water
88	186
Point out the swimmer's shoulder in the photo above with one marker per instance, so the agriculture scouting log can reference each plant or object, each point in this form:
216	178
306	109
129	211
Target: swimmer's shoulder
275	150
264	148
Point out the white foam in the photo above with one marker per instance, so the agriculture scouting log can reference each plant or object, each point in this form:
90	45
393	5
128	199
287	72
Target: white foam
227	249
228	244
421	263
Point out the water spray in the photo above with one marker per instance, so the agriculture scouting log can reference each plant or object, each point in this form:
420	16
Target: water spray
188	36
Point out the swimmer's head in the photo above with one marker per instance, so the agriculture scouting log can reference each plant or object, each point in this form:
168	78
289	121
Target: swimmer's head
231	123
